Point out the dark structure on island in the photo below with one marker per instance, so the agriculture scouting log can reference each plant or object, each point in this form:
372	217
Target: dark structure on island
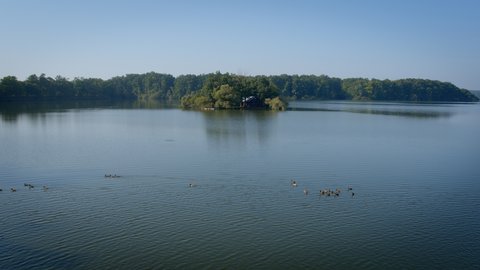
252	102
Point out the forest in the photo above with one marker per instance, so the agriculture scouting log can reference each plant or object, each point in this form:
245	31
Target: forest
225	90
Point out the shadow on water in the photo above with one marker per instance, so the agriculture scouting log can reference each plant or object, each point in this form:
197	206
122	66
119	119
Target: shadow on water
11	111
416	114
224	125
412	110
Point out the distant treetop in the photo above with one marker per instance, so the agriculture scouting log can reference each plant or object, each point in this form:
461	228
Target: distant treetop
226	91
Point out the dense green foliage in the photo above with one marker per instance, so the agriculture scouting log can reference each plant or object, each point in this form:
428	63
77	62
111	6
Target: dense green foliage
149	85
228	91
405	90
309	87
217	90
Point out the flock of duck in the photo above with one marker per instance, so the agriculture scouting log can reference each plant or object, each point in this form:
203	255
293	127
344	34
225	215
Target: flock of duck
112	176
293	183
45	188
324	192
29	186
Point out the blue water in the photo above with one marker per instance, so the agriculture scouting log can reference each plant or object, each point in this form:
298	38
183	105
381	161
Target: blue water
414	169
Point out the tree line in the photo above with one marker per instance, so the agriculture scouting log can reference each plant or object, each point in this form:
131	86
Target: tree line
225	90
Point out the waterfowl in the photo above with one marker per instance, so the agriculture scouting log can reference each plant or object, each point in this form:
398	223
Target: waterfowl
191	185
1	189
349	188
45	188
305	191
13	189
353	194
293	183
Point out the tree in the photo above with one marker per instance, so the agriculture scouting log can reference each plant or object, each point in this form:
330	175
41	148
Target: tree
32	86
10	87
226	97
276	104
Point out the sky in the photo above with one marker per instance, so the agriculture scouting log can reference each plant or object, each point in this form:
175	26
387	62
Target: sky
438	40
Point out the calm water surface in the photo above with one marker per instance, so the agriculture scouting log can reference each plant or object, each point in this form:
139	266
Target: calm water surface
414	169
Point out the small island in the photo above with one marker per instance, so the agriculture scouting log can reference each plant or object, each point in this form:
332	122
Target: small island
230	91
225	91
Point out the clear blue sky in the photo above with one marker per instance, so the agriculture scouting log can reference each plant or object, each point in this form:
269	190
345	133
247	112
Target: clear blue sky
437	40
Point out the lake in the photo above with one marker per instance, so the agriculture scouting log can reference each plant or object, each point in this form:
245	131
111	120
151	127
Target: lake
211	190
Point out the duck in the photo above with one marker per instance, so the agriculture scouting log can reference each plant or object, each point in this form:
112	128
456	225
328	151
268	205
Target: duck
305	191
45	188
353	194
293	183
13	189
191	185
1	189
